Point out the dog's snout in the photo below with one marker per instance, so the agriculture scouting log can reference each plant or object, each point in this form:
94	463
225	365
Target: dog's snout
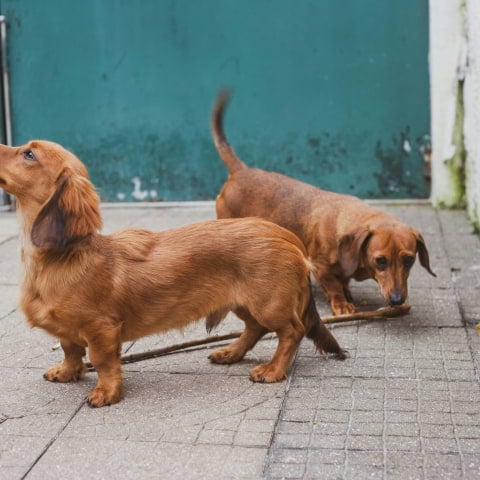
396	298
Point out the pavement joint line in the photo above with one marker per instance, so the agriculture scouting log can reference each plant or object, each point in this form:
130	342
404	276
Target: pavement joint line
270	452
53	439
8	239
349	427
417	416
384	431
8	314
452	417
129	347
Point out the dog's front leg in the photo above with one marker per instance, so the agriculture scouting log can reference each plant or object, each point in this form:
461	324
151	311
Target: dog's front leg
337	294
104	351
72	368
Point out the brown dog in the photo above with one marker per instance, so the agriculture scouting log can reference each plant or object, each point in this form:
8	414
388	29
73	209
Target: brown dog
97	291
345	238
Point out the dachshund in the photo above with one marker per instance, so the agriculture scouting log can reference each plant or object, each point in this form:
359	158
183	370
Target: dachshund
345	237
96	291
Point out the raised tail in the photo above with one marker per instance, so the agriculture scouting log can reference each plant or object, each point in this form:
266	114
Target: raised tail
224	149
317	331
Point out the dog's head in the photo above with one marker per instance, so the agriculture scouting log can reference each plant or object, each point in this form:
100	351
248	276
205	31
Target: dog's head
386	254
54	193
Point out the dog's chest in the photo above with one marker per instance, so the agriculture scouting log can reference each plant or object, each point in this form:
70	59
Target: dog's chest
38	301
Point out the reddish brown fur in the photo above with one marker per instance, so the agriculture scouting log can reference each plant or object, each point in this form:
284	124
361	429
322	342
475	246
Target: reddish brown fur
344	236
96	291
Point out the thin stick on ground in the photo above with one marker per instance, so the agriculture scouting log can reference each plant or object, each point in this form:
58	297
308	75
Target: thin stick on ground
385	312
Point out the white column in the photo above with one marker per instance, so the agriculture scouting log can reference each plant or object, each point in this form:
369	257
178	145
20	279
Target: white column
447	61
472	111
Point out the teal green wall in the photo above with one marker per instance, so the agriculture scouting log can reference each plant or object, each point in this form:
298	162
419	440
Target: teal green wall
327	91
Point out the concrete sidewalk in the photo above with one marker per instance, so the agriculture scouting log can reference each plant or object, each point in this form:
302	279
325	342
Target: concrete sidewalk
405	405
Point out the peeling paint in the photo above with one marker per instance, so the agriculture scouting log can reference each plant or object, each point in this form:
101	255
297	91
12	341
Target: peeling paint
472	113
394	175
456	164
137	193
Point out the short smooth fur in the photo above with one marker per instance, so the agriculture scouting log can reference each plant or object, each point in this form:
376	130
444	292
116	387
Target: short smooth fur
344	236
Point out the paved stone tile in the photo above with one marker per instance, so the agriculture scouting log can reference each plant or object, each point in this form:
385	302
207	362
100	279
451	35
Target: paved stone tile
10	262
23	347
32	412
409	391
404	405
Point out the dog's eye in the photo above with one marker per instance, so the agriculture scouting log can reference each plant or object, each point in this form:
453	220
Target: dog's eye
408	261
381	262
29	155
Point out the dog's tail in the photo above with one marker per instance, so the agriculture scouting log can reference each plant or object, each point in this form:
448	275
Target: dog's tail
224	149
317	331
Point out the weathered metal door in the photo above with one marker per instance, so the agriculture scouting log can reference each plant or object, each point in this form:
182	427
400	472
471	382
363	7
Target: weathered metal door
334	93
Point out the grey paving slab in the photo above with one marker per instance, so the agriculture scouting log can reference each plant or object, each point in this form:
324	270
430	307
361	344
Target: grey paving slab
32	414
8	300
8	226
9	261
23	347
404	405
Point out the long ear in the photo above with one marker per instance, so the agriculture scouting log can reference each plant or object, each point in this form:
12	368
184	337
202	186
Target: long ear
70	214
423	254
349	249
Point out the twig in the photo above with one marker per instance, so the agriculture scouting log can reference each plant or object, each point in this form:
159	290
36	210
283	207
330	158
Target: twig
380	313
158	352
384	312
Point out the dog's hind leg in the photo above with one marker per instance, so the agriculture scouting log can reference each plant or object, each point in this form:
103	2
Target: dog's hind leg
318	332
236	350
289	338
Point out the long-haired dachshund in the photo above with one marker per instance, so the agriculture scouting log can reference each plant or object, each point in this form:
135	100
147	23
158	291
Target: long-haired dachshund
96	291
345	238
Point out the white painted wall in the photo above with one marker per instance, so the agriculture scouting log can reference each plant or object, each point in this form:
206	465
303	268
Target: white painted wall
472	110
447	59
455	56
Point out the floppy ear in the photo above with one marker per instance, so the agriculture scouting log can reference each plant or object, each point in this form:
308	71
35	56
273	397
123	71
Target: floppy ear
69	215
350	247
423	254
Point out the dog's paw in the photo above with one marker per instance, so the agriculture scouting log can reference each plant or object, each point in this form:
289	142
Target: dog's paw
225	355
342	308
61	373
100	397
267	374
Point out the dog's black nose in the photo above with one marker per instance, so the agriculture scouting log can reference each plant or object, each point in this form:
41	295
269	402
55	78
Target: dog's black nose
396	298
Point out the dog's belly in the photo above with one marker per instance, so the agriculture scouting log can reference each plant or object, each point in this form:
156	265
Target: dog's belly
157	323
